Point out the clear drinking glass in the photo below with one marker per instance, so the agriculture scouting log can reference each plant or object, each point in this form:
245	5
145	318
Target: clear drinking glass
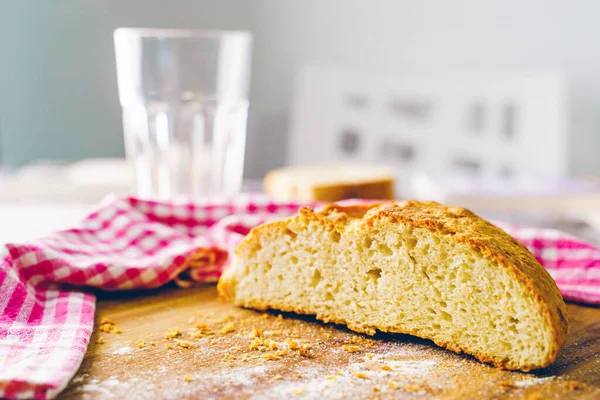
184	95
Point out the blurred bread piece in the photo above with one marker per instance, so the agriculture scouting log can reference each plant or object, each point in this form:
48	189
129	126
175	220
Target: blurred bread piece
330	182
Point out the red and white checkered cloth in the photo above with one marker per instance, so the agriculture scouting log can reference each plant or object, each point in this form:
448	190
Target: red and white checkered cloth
47	314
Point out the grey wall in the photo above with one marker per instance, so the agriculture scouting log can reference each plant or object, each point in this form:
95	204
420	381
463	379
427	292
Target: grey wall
59	97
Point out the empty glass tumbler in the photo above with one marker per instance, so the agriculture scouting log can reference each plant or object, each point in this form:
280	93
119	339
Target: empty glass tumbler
184	95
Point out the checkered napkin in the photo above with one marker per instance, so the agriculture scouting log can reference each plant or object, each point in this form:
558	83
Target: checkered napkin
47	307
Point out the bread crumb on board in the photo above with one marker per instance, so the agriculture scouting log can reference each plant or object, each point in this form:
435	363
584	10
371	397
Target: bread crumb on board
304	351
350	348
107	326
393	385
361	375
228	328
183	343
173	332
255	332
188	378
100	340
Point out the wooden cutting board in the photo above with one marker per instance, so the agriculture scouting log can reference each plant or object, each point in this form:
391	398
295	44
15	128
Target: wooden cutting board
241	353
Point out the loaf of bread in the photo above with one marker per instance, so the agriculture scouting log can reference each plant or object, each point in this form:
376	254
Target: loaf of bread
437	272
330	182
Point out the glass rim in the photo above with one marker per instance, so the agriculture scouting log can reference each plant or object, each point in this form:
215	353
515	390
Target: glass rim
183	33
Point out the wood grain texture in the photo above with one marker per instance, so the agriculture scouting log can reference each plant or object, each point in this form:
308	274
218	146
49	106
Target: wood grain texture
335	362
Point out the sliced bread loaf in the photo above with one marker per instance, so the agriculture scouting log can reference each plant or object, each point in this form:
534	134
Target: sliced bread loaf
432	271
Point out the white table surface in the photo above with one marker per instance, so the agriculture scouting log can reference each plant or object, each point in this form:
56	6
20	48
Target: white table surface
19	223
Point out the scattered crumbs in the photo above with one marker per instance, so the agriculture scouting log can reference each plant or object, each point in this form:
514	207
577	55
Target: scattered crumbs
191	320
201	327
338	372
375	389
330	377
173	332
188	378
329	335
298	391
361	375
245	358
169	346
140	344
355	339
183	343
152	343
227	318
265	316
393	385
370	355
255	344
303	351
106	328
106	321
255	332
413	388
280	317
291	344
350	348
228	328
386	368
270	357
100	340
574	385
295	335
281	352
299	375
118	330
273	345
277	377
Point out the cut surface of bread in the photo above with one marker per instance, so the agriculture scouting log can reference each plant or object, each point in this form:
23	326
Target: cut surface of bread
330	182
437	272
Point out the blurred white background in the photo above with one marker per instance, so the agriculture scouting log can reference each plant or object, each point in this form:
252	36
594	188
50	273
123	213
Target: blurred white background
58	97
